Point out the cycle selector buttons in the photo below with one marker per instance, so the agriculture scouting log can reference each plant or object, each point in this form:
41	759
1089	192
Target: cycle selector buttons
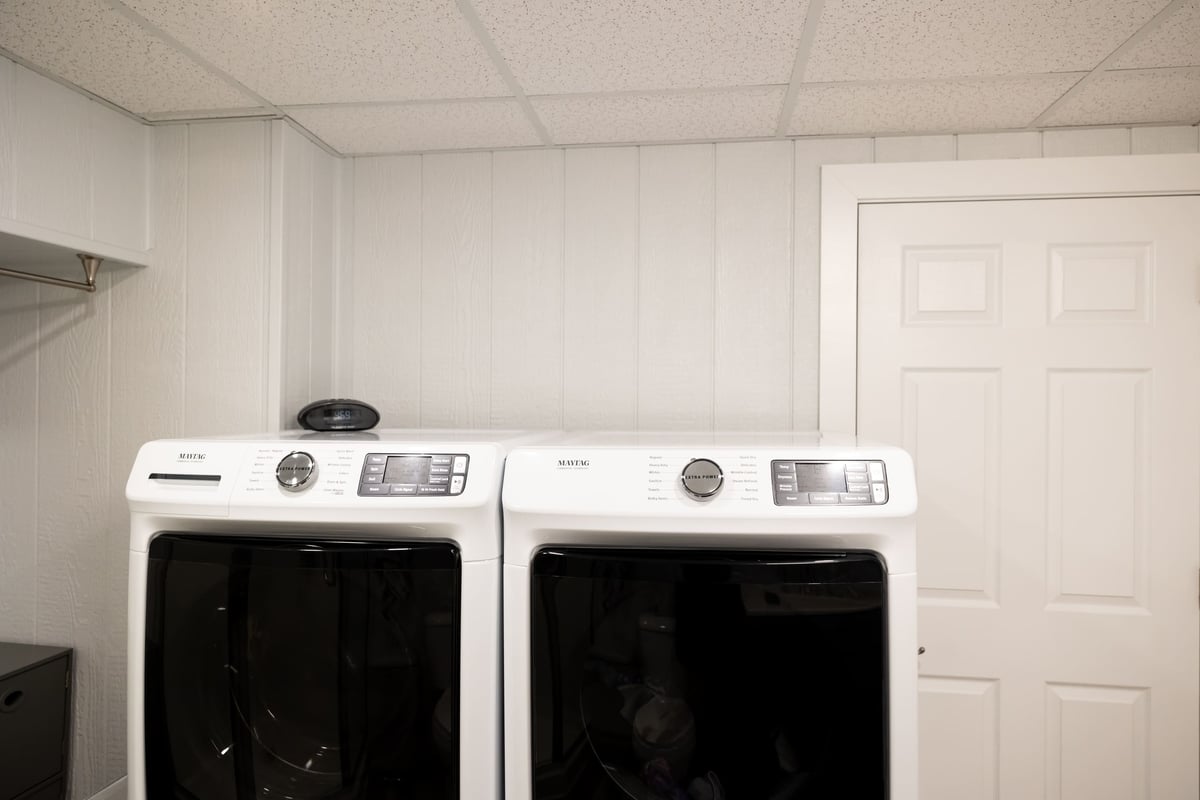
296	471
702	478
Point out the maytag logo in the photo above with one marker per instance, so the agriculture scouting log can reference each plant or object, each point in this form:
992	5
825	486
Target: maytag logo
191	456
574	463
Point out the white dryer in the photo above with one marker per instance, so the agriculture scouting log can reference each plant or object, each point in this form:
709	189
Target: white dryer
698	617
316	616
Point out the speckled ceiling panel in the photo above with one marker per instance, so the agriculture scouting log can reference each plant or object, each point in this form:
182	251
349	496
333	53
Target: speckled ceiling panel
317	51
732	114
926	107
875	40
89	44
567	46
354	130
1158	95
1174	43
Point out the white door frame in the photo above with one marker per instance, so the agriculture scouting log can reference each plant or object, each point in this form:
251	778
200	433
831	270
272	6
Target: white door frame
845	187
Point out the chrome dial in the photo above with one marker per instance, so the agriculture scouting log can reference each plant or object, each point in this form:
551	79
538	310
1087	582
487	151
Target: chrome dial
296	471
702	478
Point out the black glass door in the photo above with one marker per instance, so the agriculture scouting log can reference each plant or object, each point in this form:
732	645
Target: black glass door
708	675
301	669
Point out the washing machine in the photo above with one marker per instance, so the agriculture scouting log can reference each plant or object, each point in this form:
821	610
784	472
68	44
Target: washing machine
316	616
710	617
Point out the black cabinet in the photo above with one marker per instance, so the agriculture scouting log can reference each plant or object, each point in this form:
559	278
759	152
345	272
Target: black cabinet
35	707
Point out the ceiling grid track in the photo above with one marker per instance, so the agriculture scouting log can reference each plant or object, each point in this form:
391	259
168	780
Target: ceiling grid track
808	35
510	80
1141	33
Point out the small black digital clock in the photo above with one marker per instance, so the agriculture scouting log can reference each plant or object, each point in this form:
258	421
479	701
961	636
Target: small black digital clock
338	415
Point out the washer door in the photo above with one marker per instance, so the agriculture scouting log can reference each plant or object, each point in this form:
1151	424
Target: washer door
302	669
720	675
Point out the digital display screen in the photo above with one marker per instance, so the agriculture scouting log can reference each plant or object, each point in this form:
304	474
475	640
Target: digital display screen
339	414
820	478
407	469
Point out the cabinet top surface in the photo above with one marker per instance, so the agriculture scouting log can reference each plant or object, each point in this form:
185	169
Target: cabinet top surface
19	657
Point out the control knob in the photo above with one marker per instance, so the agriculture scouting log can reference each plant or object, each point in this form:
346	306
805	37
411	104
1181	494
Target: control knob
702	478
296	471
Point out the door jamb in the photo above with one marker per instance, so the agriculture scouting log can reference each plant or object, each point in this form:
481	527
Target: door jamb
844	187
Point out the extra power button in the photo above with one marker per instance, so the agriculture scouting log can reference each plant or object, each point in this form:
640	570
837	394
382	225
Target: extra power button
702	478
296	471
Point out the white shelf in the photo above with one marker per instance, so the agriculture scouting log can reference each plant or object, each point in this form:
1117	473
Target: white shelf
30	248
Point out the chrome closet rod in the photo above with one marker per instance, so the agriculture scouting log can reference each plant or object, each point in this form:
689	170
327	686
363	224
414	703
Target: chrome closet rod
90	266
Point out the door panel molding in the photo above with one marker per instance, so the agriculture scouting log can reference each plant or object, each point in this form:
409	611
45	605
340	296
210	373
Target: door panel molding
844	187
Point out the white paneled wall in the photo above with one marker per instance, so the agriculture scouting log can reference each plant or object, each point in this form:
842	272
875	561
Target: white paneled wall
181	347
69	164
632	287
304	262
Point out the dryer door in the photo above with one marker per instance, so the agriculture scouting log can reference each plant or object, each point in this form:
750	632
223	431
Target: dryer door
684	674
302	669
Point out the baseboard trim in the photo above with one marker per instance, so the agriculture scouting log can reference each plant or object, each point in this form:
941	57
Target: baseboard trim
114	791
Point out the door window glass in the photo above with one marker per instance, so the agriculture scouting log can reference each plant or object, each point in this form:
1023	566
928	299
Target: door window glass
708	675
301	669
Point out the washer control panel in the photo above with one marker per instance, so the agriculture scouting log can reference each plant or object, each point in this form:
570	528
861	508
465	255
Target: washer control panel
413	474
817	483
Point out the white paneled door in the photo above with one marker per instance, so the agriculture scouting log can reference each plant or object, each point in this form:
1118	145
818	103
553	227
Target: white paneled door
1041	361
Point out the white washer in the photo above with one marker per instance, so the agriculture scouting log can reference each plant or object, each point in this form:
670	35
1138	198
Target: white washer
710	616
316	615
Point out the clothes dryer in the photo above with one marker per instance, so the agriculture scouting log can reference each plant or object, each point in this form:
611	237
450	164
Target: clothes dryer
699	617
316	616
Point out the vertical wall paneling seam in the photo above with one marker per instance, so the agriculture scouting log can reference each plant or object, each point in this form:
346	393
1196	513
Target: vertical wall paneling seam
148	140
491	287
956	151
312	271
808	34
420	289
37	451
337	376
186	267
712	257
562	293
1141	33
637	289
89	158
107	516
274	365
792	289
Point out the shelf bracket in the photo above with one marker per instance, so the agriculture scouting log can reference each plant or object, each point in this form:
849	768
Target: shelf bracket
91	264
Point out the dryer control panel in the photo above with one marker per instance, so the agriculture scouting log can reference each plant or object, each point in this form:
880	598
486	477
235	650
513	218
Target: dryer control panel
413	474
813	483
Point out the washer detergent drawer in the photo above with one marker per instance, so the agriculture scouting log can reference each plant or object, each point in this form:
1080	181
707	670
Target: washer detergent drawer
301	668
708	674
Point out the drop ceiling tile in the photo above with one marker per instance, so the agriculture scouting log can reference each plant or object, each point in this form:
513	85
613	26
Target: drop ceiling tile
872	40
576	46
925	107
92	46
1158	95
416	127
296	52
594	119
1174	43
